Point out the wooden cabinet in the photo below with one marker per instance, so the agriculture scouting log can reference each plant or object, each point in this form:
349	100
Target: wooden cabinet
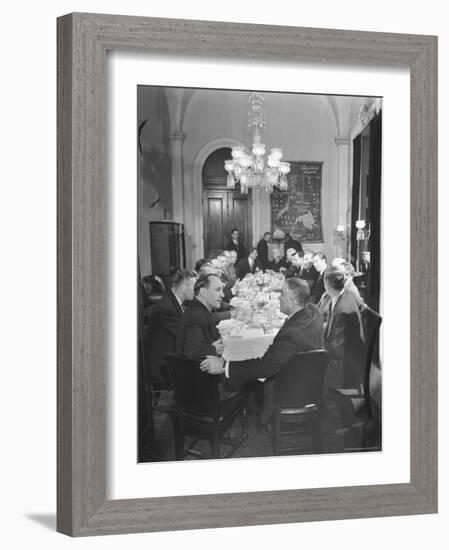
167	247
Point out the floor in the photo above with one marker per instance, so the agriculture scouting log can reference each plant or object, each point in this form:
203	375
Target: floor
336	439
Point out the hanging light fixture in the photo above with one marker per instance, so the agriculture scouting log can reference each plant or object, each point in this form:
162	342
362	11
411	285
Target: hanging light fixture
252	170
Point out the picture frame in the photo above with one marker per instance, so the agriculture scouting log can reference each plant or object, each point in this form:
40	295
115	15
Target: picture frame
82	506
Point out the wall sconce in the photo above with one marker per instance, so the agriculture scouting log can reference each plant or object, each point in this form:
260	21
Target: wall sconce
361	233
341	231
341	234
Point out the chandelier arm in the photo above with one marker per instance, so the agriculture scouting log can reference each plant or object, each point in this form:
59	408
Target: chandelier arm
250	169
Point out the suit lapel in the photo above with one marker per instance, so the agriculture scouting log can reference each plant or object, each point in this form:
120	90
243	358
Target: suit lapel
289	321
175	302
332	315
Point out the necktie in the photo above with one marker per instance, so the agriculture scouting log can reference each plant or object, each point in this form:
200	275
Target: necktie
329	316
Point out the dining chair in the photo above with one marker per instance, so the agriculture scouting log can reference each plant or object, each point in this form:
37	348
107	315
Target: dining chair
360	415
154	289
298	401
199	411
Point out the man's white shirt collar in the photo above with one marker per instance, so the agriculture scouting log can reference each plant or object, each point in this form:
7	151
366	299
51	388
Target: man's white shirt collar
177	298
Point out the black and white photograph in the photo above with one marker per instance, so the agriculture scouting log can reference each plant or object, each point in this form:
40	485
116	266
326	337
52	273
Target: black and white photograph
225	223
259	273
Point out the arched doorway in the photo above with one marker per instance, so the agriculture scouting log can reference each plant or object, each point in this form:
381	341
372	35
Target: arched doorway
223	208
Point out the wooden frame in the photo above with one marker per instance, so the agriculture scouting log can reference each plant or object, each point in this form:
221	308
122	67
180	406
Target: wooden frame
83	40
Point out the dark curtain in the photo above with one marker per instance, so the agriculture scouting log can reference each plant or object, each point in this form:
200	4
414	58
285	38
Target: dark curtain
374	194
144	405
356	165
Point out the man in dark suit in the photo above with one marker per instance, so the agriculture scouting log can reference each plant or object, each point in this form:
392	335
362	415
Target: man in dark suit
308	271
262	249
235	244
164	320
343	335
278	262
229	268
248	265
290	242
297	262
198	335
317	290
302	331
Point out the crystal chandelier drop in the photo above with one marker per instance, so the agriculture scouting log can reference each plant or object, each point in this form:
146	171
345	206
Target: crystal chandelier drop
251	170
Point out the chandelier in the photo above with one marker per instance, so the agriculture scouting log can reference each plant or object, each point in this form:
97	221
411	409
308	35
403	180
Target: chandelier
252	170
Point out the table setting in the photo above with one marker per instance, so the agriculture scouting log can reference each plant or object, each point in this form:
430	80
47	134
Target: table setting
255	316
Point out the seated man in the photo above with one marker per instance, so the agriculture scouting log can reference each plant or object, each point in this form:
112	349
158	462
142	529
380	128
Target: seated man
200	264
229	268
288	256
320	264
164	320
302	331
248	265
198	335
343	335
278	262
222	264
297	262
290	242
233	263
348	272
308	271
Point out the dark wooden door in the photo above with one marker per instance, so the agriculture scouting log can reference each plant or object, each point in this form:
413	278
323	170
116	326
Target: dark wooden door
223	208
239	216
222	211
215	207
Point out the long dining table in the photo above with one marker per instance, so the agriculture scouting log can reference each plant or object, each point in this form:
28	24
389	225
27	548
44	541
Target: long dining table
248	343
256	317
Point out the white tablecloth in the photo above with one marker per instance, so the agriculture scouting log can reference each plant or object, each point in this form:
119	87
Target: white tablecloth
252	343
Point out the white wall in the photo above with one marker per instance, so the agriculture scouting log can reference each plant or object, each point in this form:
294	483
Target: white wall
303	125
28	235
154	167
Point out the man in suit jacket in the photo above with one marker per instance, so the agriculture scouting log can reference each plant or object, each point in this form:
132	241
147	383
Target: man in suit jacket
235	244
262	249
229	268
278	262
248	265
343	335
198	335
290	242
164	320
308	271
317	290
348	271
297	263
302	331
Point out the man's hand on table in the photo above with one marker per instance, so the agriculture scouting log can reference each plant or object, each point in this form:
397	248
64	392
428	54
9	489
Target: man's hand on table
213	365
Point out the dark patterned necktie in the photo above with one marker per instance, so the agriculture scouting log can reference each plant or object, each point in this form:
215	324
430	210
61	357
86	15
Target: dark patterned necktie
329	315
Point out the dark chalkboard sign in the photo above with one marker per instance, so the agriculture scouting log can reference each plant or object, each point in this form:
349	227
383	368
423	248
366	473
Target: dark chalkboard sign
298	210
